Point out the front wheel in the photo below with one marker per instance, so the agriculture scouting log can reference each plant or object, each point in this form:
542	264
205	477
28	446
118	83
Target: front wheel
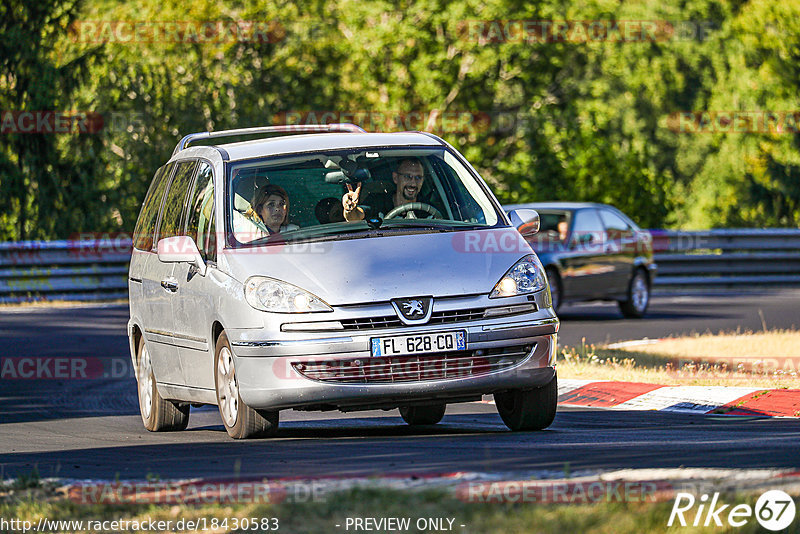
240	420
158	414
423	415
638	296
528	409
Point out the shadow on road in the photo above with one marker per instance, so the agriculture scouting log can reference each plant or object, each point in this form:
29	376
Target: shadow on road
579	441
23	401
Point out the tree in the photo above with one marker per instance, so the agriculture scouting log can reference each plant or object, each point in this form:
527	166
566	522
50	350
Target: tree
40	184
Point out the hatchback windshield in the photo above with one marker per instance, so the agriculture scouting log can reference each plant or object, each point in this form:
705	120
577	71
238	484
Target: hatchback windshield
394	191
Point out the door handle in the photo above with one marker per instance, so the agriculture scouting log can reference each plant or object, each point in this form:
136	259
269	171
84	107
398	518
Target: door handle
170	284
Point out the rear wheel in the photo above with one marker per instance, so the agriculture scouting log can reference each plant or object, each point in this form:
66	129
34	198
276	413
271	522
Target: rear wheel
529	409
555	287
158	414
423	415
240	420
638	296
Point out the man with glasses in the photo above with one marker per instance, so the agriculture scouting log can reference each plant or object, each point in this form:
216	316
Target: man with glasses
408	179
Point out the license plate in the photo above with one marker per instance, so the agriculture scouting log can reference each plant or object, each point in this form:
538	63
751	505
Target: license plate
419	344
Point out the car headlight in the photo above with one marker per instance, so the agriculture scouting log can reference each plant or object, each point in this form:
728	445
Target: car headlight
268	294
526	276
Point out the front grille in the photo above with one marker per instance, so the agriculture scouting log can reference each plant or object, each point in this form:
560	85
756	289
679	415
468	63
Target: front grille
370	323
392	321
444	366
439	317
455	316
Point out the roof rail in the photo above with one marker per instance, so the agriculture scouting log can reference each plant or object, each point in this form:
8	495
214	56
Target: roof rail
289	128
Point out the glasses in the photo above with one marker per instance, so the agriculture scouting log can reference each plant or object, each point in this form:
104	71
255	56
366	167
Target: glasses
417	177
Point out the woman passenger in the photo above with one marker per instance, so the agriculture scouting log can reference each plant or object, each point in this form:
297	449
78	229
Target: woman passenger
269	212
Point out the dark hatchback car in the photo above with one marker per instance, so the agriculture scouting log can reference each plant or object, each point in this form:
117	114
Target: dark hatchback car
594	252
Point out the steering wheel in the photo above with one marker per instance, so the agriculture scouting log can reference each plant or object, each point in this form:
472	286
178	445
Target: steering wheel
414	206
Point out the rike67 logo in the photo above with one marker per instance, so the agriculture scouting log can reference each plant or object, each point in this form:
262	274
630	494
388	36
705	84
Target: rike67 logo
774	510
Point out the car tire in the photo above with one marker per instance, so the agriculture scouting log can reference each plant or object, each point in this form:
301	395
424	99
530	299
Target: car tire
158	414
528	409
429	414
240	420
556	290
638	296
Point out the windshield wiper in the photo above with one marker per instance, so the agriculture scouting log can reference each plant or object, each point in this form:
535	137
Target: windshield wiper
432	224
381	232
346	231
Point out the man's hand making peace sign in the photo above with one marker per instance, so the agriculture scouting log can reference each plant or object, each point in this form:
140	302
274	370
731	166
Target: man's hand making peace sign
350	204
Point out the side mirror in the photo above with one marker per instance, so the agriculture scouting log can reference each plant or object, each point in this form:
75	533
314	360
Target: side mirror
526	221
181	249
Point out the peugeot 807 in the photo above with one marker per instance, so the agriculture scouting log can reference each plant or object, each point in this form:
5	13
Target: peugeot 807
250	290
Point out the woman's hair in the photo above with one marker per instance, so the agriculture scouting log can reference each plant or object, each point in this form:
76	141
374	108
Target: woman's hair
260	198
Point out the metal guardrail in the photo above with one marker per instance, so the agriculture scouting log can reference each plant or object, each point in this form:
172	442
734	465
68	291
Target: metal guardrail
726	260
95	269
711	260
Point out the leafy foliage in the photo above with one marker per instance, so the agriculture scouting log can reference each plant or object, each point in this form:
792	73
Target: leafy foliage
571	119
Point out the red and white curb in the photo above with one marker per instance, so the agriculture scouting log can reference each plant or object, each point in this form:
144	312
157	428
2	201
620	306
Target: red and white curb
682	399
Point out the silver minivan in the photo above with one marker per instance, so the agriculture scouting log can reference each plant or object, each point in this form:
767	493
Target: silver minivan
326	268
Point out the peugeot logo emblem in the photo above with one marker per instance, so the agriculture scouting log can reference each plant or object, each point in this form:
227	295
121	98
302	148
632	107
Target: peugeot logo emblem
412	308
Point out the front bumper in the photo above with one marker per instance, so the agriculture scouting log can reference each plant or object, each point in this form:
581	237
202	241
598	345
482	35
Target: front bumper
269	380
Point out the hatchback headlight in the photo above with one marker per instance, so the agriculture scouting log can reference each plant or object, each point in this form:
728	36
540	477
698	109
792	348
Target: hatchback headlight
268	294
526	276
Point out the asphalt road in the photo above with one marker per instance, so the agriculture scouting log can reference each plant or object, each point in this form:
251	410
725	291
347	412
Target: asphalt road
470	438
90	428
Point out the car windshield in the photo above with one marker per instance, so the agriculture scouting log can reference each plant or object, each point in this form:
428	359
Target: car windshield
299	197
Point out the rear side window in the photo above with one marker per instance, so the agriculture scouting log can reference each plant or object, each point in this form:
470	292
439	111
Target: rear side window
200	222
146	224
553	226
587	228
616	227
172	218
